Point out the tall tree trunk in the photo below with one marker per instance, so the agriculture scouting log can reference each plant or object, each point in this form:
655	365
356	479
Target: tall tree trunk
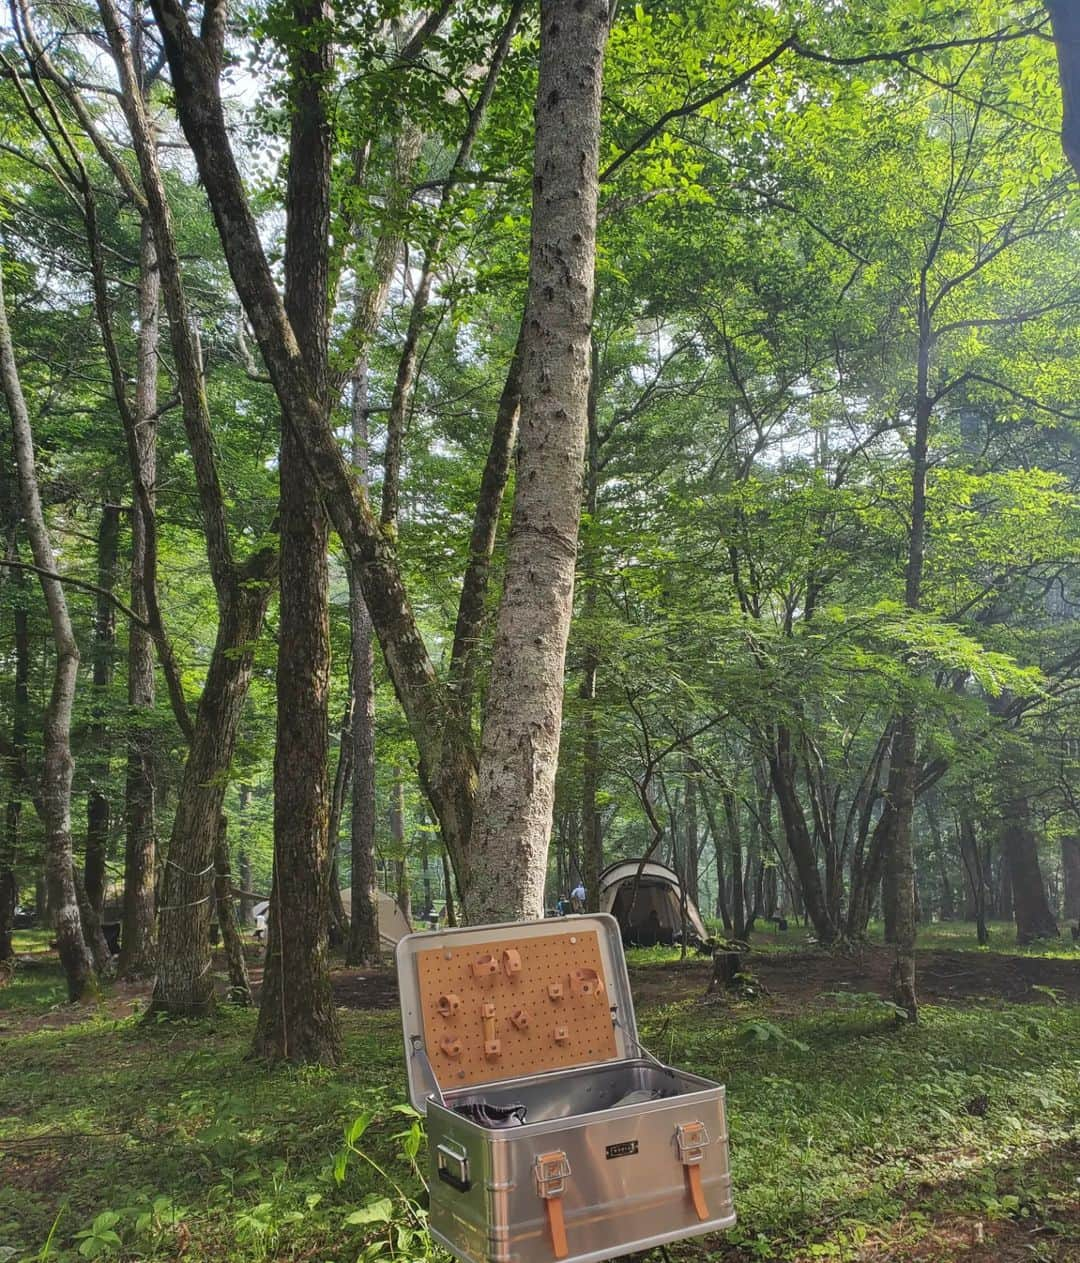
690	826
138	943
723	907
1070	868
738	890
1065	21
368	306
402	891
297	1018
800	843
516	782
239	986
98	812
184	987
976	874
339	918
425	872
868	877
9	841
900	858
592	841
448	887
1034	917
58	765
243	859
363	948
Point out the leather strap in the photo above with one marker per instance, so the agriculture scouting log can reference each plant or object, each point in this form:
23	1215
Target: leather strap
557	1225
697	1192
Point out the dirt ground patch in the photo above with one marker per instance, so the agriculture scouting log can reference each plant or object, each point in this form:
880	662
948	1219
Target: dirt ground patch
798	978
794	979
365	988
791	979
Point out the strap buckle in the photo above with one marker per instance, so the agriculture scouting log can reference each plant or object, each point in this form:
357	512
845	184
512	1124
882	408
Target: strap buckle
552	1171
692	1139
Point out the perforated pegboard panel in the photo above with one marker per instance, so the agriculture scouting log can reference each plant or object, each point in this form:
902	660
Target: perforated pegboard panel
515	1007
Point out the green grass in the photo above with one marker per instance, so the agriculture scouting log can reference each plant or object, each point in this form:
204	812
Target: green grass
936	936
842	1127
961	936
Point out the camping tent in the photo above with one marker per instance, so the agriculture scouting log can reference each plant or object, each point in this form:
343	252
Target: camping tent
655	914
392	922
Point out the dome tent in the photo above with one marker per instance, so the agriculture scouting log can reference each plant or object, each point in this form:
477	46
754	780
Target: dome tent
655	914
392	922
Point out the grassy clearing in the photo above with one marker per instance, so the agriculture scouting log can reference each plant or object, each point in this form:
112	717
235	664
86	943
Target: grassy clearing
849	1138
937	936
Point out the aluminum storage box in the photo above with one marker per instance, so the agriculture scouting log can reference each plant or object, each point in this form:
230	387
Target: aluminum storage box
552	1134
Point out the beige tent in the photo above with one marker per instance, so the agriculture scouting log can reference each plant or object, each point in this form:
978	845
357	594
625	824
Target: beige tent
392	922
655	913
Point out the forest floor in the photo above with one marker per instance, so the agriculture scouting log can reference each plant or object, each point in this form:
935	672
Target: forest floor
851	1139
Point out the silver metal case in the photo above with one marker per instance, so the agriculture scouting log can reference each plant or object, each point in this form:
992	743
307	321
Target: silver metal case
616	1155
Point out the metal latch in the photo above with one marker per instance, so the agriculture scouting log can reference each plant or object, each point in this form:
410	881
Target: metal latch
692	1140
453	1165
552	1170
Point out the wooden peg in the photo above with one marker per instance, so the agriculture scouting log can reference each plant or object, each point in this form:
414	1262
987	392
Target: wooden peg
484	966
448	1004
511	959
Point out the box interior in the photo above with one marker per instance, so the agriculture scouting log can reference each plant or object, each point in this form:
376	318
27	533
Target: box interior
587	1090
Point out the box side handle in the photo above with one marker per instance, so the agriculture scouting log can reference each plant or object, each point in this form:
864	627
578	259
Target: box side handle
453	1167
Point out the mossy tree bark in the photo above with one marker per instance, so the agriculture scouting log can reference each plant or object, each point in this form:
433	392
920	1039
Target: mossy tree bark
138	942
58	765
515	790
297	1019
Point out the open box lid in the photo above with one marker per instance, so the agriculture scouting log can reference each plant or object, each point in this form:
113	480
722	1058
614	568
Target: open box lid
483	1004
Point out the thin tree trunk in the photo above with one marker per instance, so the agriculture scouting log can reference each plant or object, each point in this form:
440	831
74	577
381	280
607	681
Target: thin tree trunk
976	873
1070	868
339	918
800	843
363	947
91	927
297	1018
738	891
402	893
138	943
723	906
58	765
1065	20
243	859
513	812
900	859
239	985
690	825
9	841
448	887
1034	917
592	841
98	810
184	987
